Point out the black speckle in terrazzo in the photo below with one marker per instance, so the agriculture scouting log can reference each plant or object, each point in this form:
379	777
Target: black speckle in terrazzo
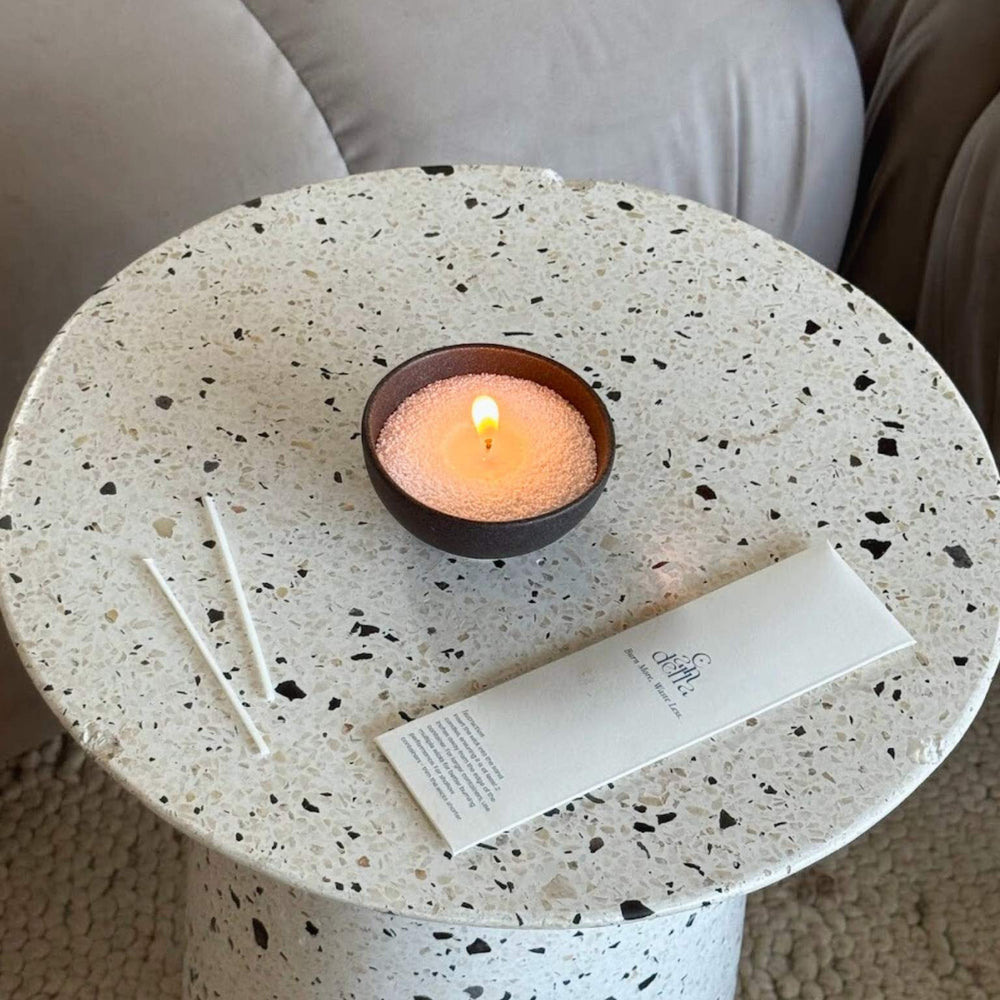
518	333
640	827
6	522
309	807
634	909
478	947
862	382
705	492
855	461
614	395
335	703
876	547
626	206
215	615
163	402
252	203
876	516
109	489
442	169
471	202
289	690
210	466
773	515
811	327
647	981
959	556
596	843
260	934
258	227
887	446
960	661
725	820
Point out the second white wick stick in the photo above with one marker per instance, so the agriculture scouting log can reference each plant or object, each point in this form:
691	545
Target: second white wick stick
241	599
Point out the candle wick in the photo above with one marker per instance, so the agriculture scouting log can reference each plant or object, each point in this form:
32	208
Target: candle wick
489	443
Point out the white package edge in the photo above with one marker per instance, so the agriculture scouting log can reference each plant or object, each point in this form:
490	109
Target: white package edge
820	559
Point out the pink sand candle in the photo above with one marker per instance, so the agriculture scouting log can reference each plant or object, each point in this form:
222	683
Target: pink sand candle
539	455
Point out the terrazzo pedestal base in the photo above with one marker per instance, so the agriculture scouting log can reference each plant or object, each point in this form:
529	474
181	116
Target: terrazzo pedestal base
252	938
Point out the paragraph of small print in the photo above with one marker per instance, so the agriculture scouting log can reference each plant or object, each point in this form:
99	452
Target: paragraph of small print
450	752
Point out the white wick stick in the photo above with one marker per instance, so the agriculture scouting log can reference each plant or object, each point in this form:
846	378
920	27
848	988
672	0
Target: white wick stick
241	598
209	658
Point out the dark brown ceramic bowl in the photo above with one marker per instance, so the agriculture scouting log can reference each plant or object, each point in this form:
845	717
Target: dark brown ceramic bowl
483	539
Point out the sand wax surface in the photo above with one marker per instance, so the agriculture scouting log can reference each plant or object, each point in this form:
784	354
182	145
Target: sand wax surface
542	455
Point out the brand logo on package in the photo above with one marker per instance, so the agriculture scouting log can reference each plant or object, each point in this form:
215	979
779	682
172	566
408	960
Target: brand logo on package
682	671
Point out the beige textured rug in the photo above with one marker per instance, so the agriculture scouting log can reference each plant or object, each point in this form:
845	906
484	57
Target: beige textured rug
91	893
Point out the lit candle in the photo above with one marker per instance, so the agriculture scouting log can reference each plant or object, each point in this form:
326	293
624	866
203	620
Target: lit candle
488	448
486	418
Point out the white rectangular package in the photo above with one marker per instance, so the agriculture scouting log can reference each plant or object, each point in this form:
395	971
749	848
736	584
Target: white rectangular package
503	756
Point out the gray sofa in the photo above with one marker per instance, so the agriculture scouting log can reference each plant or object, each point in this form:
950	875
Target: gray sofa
124	121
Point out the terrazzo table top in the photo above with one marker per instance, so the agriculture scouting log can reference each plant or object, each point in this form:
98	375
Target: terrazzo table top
760	403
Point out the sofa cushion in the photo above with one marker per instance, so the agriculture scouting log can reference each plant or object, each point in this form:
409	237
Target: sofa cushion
958	316
753	108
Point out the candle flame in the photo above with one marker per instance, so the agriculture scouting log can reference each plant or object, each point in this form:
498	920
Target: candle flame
486	417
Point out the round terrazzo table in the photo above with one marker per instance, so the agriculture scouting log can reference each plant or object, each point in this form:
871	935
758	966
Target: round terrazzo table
760	402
